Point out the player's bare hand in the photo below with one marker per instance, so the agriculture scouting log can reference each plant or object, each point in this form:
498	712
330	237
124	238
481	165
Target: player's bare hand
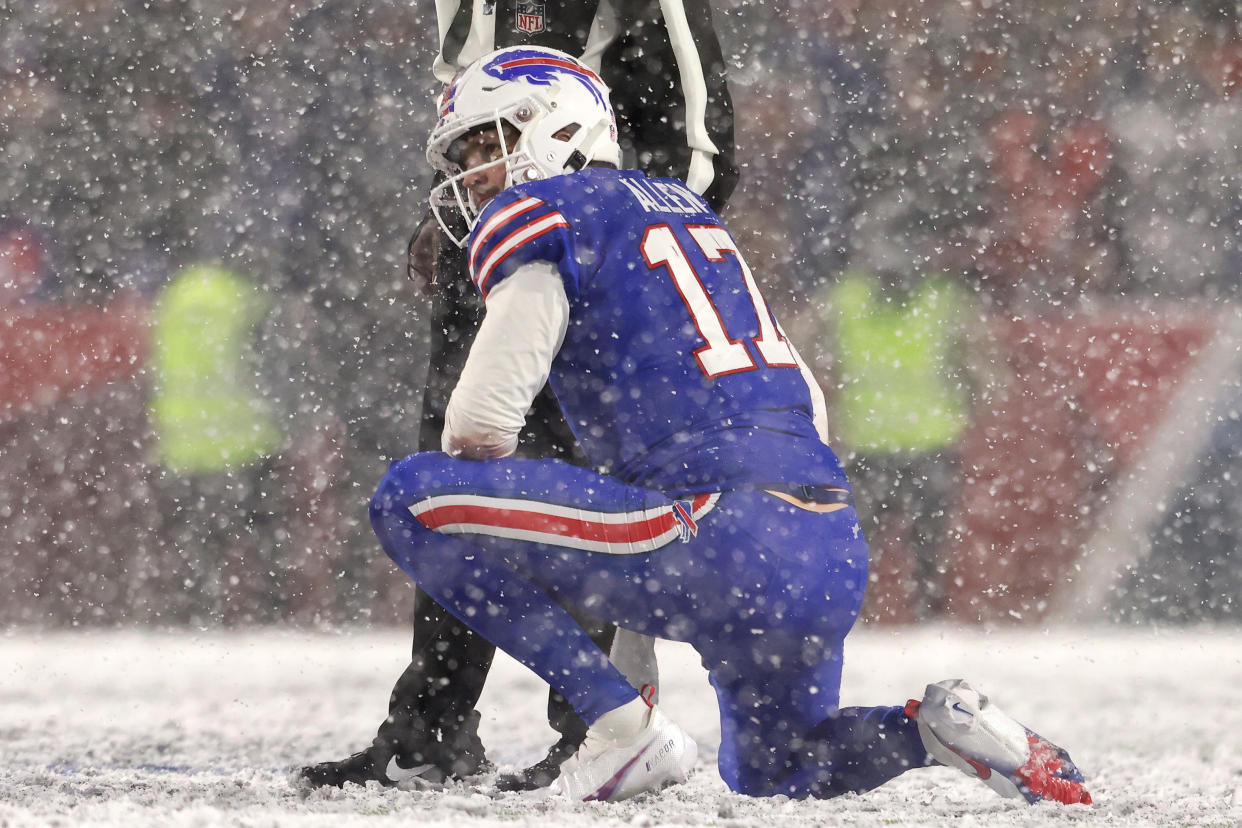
423	254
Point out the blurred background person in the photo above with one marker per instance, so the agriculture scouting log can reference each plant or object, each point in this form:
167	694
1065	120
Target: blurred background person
215	436
900	402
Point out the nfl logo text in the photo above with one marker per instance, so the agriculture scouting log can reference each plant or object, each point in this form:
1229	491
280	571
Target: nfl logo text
530	17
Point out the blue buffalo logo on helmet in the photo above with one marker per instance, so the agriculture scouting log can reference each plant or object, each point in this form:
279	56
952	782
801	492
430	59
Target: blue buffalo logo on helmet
537	66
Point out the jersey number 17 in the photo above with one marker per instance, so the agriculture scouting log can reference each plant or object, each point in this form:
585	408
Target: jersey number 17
721	354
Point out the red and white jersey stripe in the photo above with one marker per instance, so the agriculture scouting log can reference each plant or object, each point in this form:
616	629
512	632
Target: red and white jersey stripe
511	228
610	533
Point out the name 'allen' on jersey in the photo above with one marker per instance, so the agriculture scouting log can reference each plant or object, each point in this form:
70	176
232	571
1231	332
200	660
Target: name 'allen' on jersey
666	195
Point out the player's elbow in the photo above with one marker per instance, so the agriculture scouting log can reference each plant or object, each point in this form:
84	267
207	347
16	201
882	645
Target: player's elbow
478	443
476	427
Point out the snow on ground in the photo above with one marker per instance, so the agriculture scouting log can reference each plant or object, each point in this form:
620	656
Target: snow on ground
202	729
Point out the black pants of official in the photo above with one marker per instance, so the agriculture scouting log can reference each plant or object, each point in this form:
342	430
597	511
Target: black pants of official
449	664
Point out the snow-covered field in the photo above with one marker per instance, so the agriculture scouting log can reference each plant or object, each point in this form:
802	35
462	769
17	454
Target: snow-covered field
198	729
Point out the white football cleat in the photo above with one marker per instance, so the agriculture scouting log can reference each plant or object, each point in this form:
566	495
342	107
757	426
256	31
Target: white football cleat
628	751
964	730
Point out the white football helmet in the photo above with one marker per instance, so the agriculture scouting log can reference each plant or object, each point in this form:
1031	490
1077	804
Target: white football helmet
539	92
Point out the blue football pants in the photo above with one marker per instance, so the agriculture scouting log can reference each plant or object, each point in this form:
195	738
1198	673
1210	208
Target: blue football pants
764	590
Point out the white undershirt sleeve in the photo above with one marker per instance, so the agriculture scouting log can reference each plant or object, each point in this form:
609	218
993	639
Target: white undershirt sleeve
527	316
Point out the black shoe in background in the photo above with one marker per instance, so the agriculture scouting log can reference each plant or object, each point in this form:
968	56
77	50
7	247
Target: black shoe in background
438	758
544	772
371	765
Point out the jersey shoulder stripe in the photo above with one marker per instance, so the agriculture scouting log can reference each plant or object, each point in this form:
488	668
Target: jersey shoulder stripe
495	242
485	232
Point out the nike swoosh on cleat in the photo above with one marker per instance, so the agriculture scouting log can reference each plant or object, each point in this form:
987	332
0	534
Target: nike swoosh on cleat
398	774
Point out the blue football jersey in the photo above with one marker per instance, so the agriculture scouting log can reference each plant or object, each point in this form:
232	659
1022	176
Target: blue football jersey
673	374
